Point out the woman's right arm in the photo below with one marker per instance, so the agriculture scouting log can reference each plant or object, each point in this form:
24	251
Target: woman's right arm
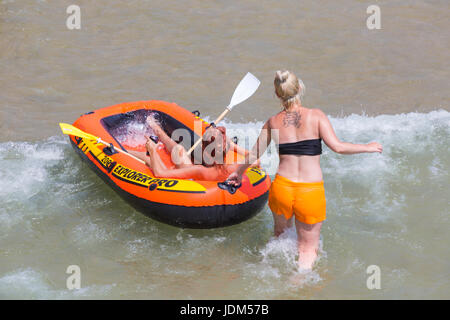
327	134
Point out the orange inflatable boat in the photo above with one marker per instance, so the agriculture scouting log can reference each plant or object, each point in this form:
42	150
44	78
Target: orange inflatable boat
183	203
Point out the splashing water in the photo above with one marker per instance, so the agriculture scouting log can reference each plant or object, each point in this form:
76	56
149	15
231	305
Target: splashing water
386	209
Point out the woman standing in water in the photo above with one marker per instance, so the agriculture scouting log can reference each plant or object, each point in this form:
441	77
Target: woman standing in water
298	187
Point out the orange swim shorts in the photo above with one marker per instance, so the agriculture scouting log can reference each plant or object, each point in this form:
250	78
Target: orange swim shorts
304	199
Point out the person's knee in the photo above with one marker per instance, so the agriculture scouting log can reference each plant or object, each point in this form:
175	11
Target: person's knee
177	155
308	234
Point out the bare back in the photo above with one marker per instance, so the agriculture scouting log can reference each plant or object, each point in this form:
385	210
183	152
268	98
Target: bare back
297	124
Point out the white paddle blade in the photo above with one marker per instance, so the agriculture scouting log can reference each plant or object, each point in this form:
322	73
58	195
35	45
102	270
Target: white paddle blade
244	90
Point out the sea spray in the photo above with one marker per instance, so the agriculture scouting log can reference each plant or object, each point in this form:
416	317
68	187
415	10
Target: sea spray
386	209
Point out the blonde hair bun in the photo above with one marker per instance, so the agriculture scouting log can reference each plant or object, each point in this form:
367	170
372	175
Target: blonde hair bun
282	75
288	88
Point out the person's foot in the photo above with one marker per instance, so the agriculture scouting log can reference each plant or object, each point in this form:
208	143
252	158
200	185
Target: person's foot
305	266
306	260
300	278
151	122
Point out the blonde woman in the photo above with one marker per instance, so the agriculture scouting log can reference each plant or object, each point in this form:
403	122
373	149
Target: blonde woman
298	188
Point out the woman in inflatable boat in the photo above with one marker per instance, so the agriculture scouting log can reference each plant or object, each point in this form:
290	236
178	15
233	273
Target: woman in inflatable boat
215	146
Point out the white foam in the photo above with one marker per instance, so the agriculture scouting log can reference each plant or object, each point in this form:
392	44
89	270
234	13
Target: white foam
29	283
89	232
279	261
369	191
25	177
134	133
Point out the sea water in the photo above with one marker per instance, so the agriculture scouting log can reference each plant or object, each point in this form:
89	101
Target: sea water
390	210
388	85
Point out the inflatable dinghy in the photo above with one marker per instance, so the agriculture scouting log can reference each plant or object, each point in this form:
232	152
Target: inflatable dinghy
179	202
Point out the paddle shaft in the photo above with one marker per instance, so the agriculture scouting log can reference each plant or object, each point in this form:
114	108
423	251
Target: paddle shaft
224	113
74	131
121	151
243	91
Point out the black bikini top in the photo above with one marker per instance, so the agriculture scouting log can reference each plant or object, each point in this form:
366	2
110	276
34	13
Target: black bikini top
312	147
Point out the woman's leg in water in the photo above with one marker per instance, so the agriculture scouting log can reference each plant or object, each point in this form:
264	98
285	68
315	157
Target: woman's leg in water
308	243
280	224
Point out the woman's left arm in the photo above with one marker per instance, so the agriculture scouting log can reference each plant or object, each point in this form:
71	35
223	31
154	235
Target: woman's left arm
327	134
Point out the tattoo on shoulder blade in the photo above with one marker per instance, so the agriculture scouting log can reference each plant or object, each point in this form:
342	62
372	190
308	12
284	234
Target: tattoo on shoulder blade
291	118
